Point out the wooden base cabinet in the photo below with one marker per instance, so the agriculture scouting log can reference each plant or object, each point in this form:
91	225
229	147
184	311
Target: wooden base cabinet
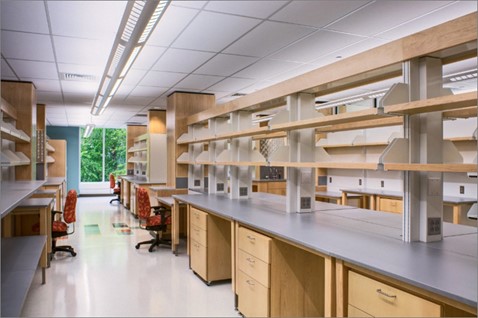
378	299
253	273
210	246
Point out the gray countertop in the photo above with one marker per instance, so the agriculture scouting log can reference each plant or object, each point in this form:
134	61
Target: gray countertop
399	194
366	238
269	180
55	181
13	192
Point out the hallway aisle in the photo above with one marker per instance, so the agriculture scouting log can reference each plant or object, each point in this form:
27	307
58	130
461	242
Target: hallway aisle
109	277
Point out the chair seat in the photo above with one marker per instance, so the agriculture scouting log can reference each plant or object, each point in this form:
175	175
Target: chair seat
59	226
156	220
116	191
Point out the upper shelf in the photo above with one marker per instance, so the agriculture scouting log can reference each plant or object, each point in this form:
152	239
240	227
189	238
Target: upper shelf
11	133
376	64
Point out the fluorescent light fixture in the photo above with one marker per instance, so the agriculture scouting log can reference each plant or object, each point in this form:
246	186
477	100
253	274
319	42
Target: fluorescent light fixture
461	76
88	130
352	99
139	20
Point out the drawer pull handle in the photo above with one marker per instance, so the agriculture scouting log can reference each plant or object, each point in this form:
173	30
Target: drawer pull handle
250	282
385	294
252	238
250	260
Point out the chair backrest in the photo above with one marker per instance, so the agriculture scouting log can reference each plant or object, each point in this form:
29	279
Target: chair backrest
144	206
112	181
69	212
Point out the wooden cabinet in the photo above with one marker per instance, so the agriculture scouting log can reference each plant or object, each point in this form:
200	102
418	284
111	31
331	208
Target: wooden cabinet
389	205
378	299
210	246
253	273
274	187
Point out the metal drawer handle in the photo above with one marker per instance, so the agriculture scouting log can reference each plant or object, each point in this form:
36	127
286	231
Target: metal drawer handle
250	260
385	294
250	282
252	238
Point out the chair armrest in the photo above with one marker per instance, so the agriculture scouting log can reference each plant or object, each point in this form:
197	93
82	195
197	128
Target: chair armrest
53	212
161	210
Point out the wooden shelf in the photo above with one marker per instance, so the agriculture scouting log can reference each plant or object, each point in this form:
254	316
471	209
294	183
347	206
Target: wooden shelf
461	139
442	103
436	167
371	144
137	149
8	109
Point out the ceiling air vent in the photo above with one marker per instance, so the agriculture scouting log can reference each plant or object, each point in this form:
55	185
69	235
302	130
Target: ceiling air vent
78	77
238	95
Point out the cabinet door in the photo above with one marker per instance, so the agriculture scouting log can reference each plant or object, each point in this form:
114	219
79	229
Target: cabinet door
253	297
198	259
382	300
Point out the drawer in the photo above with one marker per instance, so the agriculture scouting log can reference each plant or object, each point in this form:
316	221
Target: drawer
199	259
253	298
379	299
198	218
256	244
254	267
199	235
390	205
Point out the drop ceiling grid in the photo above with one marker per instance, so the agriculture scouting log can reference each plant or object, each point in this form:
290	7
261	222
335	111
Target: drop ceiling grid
205	46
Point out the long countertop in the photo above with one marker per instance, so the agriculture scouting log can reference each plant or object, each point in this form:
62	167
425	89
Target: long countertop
366	238
399	194
13	192
141	181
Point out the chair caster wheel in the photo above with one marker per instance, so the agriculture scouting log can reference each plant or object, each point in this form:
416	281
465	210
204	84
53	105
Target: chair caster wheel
73	254
137	246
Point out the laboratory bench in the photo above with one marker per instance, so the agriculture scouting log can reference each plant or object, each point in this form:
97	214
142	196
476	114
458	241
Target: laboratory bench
338	260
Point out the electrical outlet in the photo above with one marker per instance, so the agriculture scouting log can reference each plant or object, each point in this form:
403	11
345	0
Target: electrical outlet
382	183
462	189
434	226
360	182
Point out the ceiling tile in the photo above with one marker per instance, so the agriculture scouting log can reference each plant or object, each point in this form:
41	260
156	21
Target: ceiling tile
266	68
316	13
360	21
147	57
172	23
31	69
86	19
267	38
213	31
6	70
78	99
27	46
348	51
198	82
26	16
231	84
255	9
82	51
313	46
189	4
446	13
45	84
88	88
161	79
148	91
160	102
133	77
176	60
225	64
138	100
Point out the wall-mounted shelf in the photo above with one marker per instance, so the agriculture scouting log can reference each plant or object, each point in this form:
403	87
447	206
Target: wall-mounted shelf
10	158
50	159
11	133
49	147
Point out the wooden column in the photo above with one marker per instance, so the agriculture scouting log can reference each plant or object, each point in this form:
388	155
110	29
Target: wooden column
133	131
41	168
180	106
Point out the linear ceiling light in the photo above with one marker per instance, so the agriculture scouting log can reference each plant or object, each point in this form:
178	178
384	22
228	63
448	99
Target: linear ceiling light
139	20
88	130
352	99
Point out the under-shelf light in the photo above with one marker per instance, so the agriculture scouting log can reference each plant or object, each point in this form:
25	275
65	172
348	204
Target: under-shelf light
352	99
138	22
88	130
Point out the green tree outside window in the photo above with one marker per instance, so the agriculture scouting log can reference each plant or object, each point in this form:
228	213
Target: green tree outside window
102	153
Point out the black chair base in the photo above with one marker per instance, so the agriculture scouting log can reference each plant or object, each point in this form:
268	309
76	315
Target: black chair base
64	248
115	199
157	241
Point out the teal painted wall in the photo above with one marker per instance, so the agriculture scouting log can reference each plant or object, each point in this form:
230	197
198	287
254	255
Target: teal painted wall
72	137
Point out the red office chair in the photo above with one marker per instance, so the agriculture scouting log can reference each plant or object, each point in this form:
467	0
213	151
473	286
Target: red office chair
116	189
157	223
60	228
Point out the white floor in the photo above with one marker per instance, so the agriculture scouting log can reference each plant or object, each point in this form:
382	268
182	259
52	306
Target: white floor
109	277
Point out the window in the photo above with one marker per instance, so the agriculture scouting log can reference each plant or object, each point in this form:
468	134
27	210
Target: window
102	153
